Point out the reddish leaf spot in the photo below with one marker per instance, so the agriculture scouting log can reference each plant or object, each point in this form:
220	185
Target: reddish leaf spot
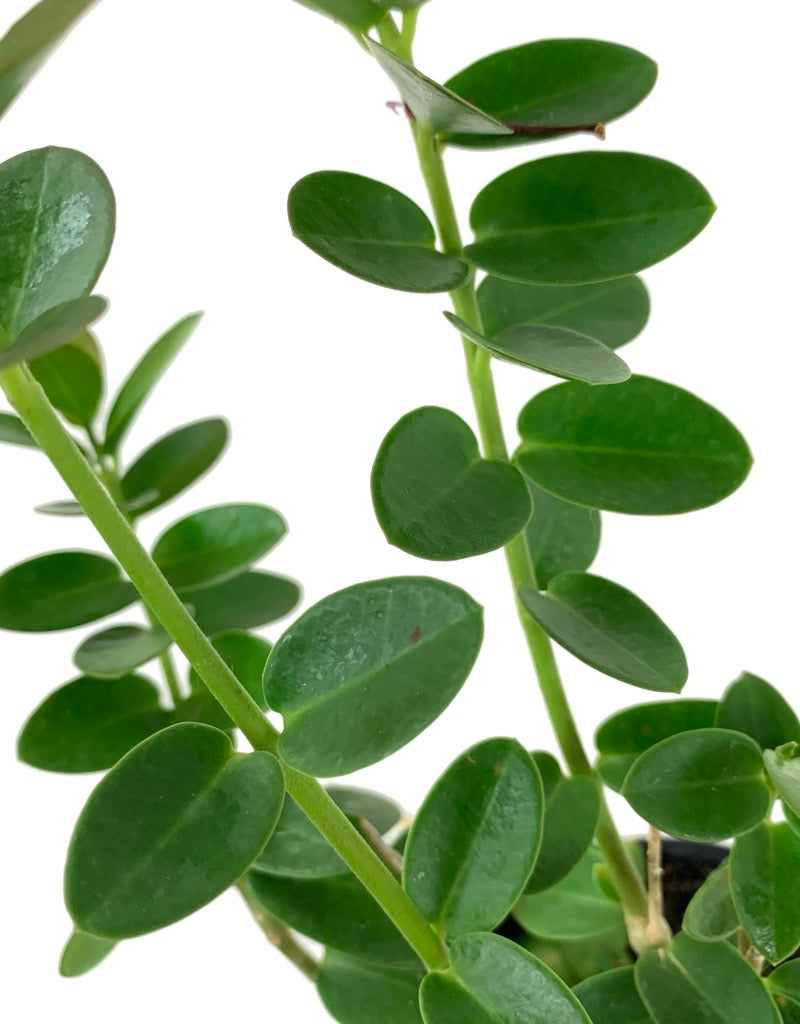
416	636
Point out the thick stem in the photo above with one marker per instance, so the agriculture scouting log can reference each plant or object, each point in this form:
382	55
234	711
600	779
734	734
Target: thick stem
656	935
278	934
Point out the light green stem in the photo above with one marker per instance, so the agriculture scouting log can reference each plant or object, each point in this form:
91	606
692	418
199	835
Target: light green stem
33	408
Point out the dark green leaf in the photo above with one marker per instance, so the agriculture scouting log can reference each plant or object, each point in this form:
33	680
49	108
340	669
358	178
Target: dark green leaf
61	590
583	217
379	810
783	768
88	724
245	655
175	823
57	223
14	431
365	670
612	998
435	497
355	992
474	841
554	82
711	915
82	953
72	379
116	651
702	982
614	312
552	349
561	536
752	706
52	329
144	377
174	463
643	447
705	785
203	708
784	985
610	629
372	231
570	820
549	771
356	14
247	601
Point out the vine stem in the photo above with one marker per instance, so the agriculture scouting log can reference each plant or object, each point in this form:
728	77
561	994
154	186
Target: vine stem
278	934
34	409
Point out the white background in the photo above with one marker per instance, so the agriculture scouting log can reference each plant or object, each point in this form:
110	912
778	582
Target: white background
203	114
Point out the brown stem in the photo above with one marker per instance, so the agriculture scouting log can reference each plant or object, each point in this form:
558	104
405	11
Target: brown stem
278	934
658	933
390	857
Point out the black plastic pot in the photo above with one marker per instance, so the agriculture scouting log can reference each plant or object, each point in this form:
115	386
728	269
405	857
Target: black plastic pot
686	866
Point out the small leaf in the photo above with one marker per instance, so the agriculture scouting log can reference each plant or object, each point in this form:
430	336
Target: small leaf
784	985
174	463
583	217
558	82
609	628
643	447
365	670
69	509
379	810
435	497
14	431
752	706
355	992
549	771
711	915
245	655
246	601
707	784
551	349
61	590
612	998
52	329
561	536
434	106
89	724
614	312
72	379
82	953
570	820
175	823
360	15
116	651
783	768
372	231
702	981
474	841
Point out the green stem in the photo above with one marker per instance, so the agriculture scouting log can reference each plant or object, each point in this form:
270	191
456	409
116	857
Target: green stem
278	934
32	406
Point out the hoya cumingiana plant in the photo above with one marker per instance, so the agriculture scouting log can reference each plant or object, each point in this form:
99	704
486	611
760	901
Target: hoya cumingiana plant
510	897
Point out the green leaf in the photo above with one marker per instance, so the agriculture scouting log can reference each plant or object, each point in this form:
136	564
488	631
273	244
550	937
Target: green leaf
583	217
551	349
29	42
752	706
554	82
435	497
52	329
549	771
69	509
643	447
143	378
705	785
614	312
365	670
380	811
702	981
203	708
360	15
14	431
570	820
612	998
609	628
494	981
61	590
336	911
711	915
72	379
247	601
175	823
765	866
434	106
88	724
57	217
245	655
354	992
783	768
372	231
561	536
82	953
784	986
174	463
474	841
116	651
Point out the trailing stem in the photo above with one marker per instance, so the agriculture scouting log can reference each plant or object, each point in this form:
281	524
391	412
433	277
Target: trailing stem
281	937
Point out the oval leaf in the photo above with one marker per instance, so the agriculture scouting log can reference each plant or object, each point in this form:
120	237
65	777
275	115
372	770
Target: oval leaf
354	992
752	706
116	651
570	820
612	998
14	431
246	601
643	447
365	670
356	14
82	953
784	985
372	231
711	915
435	497
783	768
54	328
72	378
561	536
245	655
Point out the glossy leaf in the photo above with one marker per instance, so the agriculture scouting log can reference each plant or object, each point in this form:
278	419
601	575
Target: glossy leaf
365	670
54	328
702	981
433	106
357	14
72	379
554	82
474	841
711	915
435	497
116	651
14	431
89	724
583	217
643	447
549	771
495	981
61	590
570	820
175	823
783	768
245	655
551	349
707	784
609	628
82	953
143	378
612	998
174	463
765	866
57	217
784	986
613	312
752	706
246	601
355	992
372	231
561	536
